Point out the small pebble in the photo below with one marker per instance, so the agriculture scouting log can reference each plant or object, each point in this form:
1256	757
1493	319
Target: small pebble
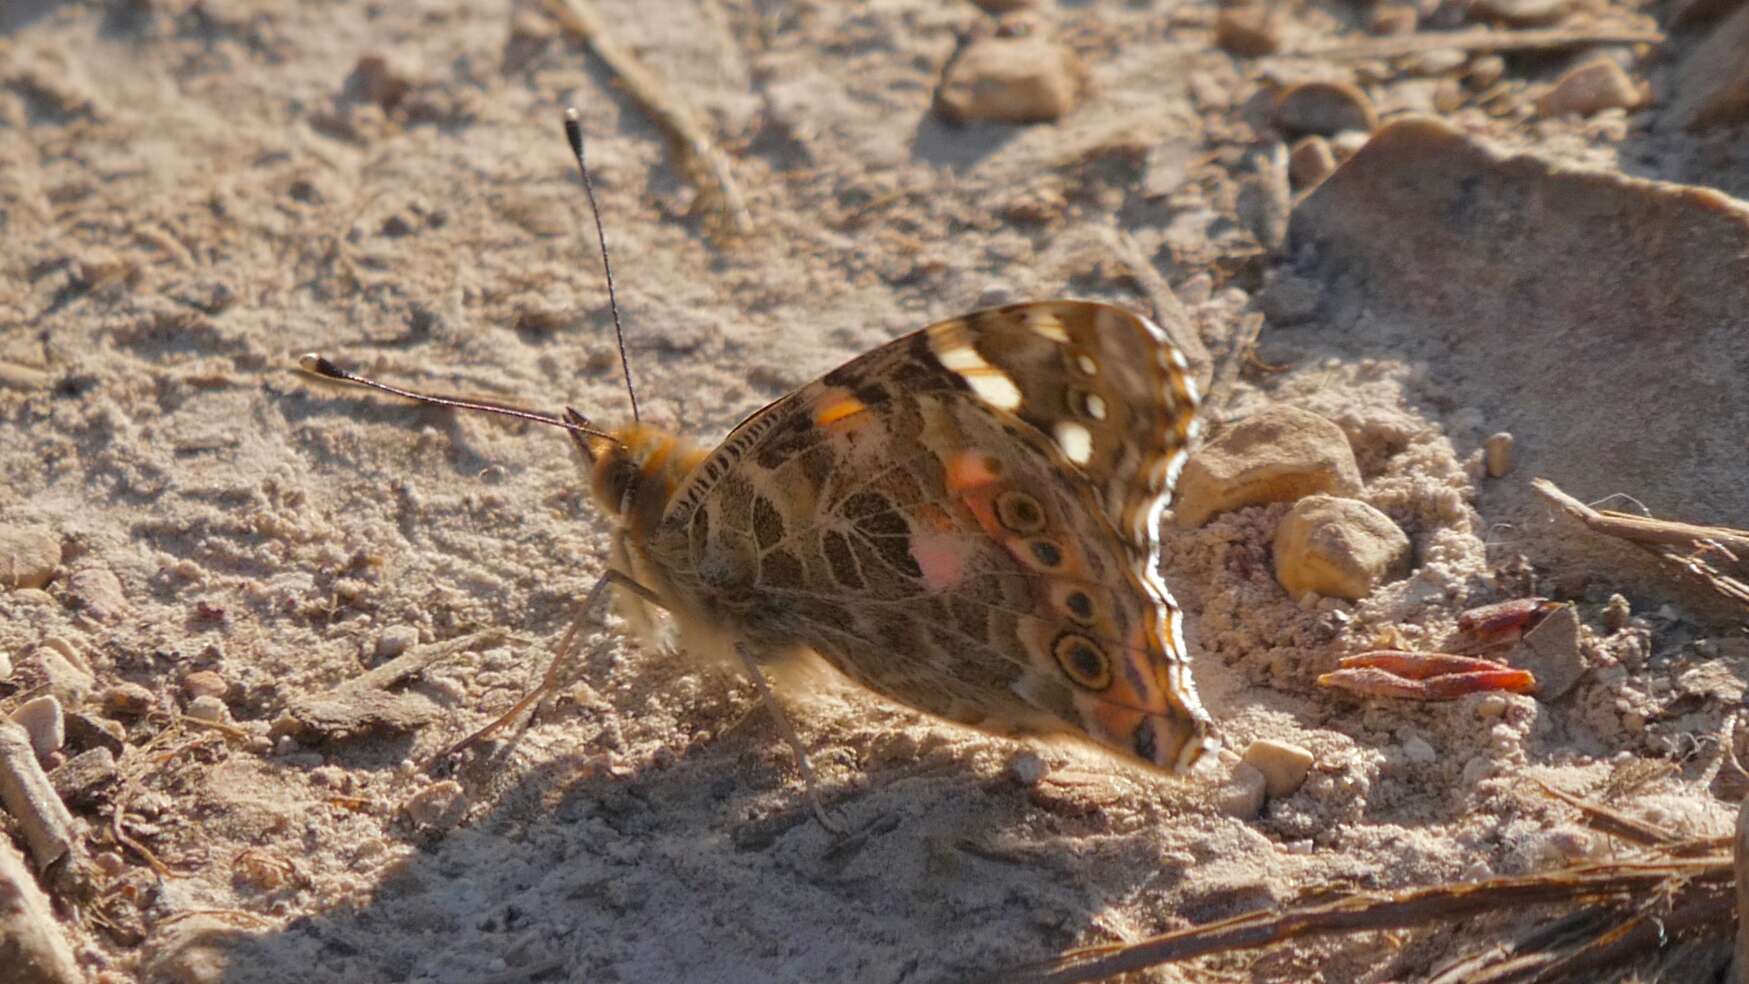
208	708
1594	86
1325	108
128	700
5	666
1284	766
90	731
204	683
1521	13
1497	451
66	679
97	592
83	779
28	556
1348	143
994	295
1310	161
1242	795
440	805
1339	548
1024	79
395	640
1448	96
1616	612
1280	454
1289	299
1417	750
109	862
1028	769
1393	19
47	725
1249	29
1485	71
1491	706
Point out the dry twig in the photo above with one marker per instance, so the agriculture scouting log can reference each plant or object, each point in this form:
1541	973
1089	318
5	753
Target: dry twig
1697	551
706	163
1619	913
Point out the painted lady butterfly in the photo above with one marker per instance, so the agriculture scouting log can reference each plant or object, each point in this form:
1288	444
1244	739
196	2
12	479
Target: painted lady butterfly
964	521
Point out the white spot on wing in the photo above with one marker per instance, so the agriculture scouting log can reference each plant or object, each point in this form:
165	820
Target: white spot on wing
961	358
1086	364
1044	323
1095	406
993	388
1076	441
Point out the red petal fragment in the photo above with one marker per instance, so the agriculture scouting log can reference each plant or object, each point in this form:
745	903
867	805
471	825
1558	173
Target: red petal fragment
1420	666
1504	622
1374	682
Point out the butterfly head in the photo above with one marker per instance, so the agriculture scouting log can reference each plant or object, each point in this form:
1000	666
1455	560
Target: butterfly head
635	470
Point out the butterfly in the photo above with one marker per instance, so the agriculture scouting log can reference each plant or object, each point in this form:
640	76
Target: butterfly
963	521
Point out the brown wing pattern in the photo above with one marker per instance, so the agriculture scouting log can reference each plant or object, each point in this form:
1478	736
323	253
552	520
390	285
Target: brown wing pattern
929	519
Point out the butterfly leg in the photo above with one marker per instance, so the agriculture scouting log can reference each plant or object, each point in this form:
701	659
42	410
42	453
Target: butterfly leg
795	742
587	612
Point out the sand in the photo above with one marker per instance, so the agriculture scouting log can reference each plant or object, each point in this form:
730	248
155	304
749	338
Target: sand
191	195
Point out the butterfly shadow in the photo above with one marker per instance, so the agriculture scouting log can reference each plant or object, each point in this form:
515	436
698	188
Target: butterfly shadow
707	864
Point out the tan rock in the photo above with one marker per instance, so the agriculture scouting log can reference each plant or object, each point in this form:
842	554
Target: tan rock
1592	87
1278	455
1497	453
1325	108
204	683
28	556
97	592
440	805
1339	548
1310	161
67	681
46	724
1283	766
1250	30
1026	79
128	700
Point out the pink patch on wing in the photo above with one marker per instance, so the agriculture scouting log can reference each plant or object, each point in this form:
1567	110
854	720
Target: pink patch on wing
941	558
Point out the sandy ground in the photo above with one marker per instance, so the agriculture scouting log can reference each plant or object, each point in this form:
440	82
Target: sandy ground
191	194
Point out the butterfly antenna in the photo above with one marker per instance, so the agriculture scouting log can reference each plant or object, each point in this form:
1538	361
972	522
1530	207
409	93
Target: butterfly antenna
574	134
574	422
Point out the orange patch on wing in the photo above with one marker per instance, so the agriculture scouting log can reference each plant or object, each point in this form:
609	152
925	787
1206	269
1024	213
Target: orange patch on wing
838	408
969	470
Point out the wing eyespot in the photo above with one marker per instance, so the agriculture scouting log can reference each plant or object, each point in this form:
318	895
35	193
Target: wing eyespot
1080	607
1020	512
1083	662
1045	553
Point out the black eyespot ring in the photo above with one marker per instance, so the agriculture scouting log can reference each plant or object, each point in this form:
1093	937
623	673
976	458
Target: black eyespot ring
1080	606
1082	660
1020	512
1048	554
